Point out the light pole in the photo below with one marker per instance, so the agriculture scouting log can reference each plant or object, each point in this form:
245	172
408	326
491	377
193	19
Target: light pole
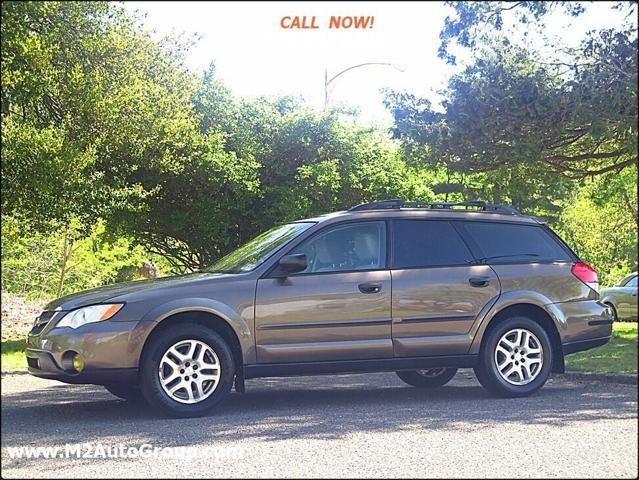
327	81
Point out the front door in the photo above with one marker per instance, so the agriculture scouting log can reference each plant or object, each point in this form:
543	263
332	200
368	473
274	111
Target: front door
339	308
437	293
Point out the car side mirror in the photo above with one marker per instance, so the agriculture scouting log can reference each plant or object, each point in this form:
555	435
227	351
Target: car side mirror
292	264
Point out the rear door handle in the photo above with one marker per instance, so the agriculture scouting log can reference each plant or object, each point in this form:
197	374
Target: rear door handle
370	287
479	281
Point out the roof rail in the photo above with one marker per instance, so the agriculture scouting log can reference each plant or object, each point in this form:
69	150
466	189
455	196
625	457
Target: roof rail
474	205
382	204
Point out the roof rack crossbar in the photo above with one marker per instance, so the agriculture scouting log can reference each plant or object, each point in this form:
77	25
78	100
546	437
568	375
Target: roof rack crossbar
475	205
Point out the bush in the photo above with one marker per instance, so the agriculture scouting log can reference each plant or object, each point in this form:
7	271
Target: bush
45	265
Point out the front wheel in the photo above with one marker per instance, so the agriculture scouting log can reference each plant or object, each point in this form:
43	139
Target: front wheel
187	370
428	378
515	359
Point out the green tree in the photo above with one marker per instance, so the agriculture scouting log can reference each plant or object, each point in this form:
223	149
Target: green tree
98	122
508	109
473	23
570	110
600	222
45	265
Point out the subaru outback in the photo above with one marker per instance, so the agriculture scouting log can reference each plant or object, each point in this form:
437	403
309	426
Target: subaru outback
416	288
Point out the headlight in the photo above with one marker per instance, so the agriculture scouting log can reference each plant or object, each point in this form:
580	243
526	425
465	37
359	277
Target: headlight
94	313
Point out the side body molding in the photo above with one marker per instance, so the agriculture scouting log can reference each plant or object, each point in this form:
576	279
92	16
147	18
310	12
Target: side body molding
516	297
240	322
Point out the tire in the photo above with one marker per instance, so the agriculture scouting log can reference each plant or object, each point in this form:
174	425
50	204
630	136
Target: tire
514	384
428	378
130	393
197	366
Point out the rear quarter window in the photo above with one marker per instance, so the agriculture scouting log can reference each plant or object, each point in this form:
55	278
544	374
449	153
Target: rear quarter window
504	242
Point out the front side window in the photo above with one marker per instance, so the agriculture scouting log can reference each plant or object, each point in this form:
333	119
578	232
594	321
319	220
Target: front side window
345	248
632	282
252	254
504	242
427	243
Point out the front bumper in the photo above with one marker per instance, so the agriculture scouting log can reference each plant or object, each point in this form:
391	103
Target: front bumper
110	351
41	364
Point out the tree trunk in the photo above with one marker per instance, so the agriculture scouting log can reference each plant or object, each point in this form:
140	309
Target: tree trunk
66	255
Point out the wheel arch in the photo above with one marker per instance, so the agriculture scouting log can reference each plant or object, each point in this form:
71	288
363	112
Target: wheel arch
219	318
609	301
206	319
535	312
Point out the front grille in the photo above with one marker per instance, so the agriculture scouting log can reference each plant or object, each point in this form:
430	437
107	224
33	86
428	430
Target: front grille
43	319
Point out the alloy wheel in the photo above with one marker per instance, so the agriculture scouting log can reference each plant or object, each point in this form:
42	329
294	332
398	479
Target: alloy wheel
519	356
189	371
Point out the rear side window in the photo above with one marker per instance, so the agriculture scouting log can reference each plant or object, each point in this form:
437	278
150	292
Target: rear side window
427	243
503	242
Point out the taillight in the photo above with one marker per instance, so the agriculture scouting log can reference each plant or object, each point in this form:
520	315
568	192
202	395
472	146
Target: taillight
586	274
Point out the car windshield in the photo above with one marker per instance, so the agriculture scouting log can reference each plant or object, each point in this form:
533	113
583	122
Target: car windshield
252	254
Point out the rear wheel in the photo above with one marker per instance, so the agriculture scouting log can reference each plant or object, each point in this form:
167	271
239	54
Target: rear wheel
428	378
187	370
515	359
130	393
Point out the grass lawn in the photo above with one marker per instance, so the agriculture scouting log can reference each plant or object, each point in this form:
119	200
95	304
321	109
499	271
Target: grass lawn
13	354
619	355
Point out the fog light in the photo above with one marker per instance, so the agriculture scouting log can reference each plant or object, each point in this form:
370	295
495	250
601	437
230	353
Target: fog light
78	362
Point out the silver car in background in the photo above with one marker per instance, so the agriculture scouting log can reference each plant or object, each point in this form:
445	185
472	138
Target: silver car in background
622	298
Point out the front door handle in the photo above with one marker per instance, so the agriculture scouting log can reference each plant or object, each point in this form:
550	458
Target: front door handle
479	281
370	287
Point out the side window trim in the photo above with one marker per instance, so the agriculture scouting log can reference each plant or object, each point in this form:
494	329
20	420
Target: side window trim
392	264
473	248
322	230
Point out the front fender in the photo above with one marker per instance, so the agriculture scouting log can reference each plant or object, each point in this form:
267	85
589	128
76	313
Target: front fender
234	319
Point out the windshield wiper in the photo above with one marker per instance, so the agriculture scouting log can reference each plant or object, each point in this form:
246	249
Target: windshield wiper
484	259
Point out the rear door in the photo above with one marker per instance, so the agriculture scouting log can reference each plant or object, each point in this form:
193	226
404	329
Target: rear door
437	291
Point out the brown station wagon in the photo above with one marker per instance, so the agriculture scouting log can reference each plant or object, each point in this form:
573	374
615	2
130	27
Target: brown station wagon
417	288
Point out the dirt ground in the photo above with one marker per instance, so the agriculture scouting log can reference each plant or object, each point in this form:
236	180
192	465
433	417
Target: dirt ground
18	315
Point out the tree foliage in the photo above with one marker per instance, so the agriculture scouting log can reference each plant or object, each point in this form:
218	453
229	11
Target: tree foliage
115	153
575	116
475	22
600	221
36	264
102	121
